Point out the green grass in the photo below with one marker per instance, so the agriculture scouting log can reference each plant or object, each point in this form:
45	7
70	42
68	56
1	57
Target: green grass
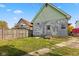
24	45
64	51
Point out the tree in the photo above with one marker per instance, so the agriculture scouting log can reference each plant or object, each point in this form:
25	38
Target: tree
70	28
3	25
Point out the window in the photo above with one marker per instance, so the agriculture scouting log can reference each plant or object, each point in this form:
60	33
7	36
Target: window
37	23
23	26
48	27
31	23
63	26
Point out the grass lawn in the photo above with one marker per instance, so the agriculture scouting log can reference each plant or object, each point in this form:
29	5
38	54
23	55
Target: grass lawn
25	45
64	51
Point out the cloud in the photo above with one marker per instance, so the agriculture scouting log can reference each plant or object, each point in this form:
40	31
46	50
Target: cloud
15	18
59	6
18	11
8	10
2	5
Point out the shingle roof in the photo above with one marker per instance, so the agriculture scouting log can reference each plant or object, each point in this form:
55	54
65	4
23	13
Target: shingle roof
25	21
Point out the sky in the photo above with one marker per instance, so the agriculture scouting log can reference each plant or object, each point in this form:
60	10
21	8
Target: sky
12	12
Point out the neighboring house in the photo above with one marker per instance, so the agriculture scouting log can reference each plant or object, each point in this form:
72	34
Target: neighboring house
77	24
23	24
50	21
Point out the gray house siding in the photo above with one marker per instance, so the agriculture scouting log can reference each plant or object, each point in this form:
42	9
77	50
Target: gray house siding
55	28
54	20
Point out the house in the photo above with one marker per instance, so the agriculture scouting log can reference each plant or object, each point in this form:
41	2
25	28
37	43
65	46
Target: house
77	24
50	21
23	24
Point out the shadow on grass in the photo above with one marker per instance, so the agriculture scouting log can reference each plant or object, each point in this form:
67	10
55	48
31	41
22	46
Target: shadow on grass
10	51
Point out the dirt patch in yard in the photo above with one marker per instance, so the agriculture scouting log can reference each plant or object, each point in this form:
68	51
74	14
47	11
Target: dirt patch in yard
74	45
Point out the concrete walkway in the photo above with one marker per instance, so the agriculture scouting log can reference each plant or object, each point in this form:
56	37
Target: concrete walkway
47	50
67	42
40	52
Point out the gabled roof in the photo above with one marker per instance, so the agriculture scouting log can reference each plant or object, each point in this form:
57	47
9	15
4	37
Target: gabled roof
25	21
52	6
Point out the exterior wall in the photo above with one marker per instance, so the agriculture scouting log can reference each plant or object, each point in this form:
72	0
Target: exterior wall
63	32
55	29
38	29
49	14
25	26
50	17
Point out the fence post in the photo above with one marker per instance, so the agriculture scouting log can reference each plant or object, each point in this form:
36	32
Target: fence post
2	29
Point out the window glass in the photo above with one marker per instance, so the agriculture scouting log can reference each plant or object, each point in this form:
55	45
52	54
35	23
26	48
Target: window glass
37	23
63	26
23	26
48	27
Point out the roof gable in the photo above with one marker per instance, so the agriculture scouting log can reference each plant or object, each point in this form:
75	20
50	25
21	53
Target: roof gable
52	7
23	21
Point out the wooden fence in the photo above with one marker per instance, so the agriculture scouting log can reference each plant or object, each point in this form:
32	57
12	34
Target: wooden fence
13	33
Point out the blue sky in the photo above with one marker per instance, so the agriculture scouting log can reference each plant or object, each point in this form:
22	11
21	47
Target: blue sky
12	12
